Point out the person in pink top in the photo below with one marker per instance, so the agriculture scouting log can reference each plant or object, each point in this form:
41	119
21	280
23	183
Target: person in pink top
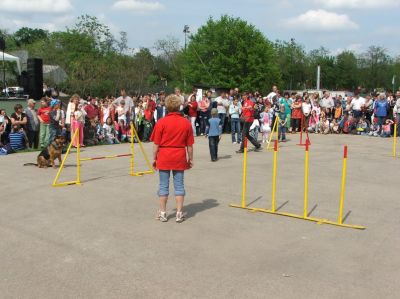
387	128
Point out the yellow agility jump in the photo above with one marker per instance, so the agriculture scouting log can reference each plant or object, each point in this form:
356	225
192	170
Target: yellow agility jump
305	215
77	181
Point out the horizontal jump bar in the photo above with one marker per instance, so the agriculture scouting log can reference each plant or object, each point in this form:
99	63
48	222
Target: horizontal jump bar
105	157
318	220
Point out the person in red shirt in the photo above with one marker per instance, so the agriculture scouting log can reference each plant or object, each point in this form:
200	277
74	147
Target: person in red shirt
248	118
44	119
193	112
297	114
92	111
150	103
147	122
172	151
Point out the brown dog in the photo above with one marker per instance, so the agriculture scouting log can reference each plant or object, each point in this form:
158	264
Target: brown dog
50	153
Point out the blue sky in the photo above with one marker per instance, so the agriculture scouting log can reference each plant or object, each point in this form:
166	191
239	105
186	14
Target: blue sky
335	24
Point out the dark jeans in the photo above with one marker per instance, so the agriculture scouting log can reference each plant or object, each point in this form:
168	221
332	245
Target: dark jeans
203	119
33	138
235	127
296	123
222	117
213	143
282	132
246	134
148	128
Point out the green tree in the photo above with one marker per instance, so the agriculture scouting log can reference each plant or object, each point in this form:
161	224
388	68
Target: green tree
230	52
292	60
375	65
326	61
26	36
347	76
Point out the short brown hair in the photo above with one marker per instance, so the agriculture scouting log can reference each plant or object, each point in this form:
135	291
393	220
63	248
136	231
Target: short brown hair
173	103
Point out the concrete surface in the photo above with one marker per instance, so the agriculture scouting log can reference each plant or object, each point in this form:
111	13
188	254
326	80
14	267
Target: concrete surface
100	240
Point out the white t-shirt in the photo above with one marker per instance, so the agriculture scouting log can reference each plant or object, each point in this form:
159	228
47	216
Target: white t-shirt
306	107
222	104
270	96
357	103
128	103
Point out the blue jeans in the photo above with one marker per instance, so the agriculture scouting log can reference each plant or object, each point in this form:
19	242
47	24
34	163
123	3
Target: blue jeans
235	127
282	132
179	187
53	133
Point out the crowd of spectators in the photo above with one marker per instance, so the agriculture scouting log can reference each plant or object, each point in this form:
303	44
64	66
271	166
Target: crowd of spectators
108	120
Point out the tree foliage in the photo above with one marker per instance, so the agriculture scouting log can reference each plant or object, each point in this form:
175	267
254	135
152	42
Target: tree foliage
230	52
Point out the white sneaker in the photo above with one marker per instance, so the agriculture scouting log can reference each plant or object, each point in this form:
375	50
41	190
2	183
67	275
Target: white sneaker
234	142
179	217
162	216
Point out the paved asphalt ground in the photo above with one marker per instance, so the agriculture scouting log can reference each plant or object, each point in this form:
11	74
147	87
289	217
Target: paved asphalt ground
100	240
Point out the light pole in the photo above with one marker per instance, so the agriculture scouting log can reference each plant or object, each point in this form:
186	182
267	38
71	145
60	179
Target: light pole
291	62
185	31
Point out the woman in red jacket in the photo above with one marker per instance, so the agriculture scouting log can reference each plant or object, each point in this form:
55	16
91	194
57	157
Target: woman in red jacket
172	151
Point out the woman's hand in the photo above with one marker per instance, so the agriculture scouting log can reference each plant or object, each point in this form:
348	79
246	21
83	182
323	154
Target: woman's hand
190	162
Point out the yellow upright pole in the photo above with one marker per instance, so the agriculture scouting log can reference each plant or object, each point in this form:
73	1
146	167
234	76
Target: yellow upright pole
244	178
344	170
305	212
273	205
144	153
395	140
78	158
274	127
63	161
132	150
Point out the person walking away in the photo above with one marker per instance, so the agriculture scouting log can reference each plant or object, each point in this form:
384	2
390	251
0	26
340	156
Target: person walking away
32	125
172	152
234	111
248	118
44	119
214	131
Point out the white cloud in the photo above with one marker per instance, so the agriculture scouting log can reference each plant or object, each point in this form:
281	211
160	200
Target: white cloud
359	4
322	20
51	24
138	6
24	6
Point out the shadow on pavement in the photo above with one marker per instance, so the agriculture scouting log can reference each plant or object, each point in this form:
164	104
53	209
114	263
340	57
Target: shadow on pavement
194	208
